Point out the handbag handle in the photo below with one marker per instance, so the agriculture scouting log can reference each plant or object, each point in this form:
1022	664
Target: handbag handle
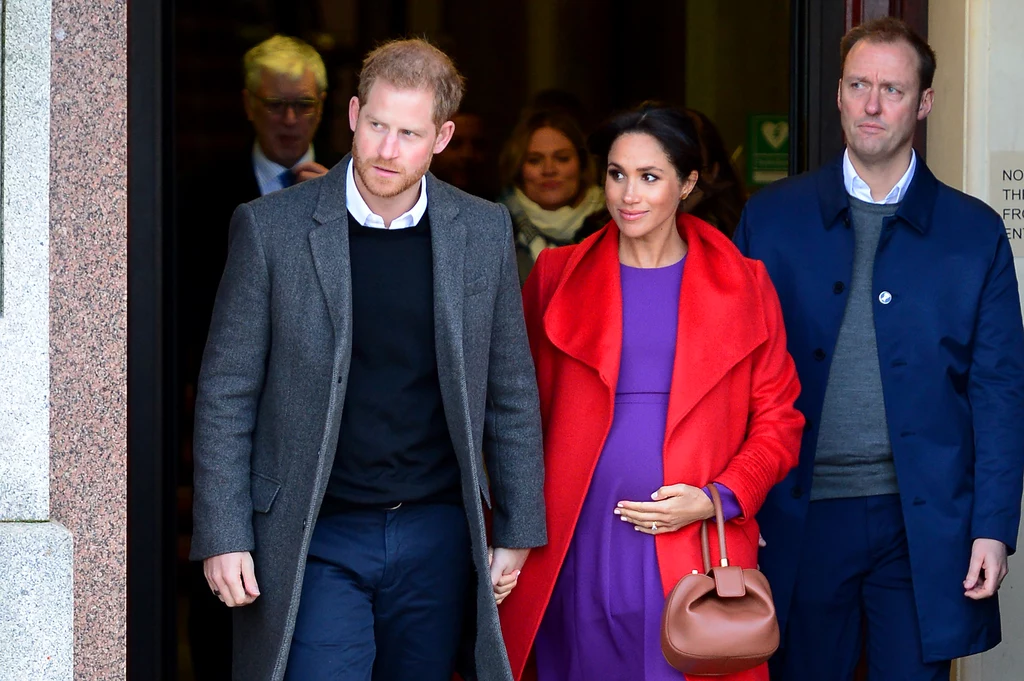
705	546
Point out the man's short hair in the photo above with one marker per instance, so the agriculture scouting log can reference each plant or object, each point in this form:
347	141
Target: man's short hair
415	65
286	56
888	30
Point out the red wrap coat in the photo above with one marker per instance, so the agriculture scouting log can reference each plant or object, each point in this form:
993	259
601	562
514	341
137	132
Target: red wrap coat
730	414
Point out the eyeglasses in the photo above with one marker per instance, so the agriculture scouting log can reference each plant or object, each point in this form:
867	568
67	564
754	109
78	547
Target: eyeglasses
277	108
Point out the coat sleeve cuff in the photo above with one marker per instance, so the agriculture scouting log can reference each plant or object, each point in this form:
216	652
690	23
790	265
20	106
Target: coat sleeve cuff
201	550
1004	530
528	531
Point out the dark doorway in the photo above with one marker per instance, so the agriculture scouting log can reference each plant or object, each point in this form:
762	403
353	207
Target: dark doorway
185	114
601	55
152	640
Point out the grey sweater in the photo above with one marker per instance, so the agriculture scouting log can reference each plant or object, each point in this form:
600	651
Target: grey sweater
854	455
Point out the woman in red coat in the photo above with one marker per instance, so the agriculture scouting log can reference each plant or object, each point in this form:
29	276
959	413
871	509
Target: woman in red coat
662	365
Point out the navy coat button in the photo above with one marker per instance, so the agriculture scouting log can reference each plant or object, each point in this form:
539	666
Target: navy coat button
838	287
819	354
797	492
808	425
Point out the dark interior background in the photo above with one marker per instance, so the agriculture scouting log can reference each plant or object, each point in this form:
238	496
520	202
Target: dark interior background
728	58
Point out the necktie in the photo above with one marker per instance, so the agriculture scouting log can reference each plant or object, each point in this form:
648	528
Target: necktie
287	178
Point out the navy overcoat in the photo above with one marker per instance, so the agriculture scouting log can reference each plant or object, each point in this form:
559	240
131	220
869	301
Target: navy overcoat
951	353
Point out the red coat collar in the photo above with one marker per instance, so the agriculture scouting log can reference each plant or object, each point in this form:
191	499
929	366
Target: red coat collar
584	316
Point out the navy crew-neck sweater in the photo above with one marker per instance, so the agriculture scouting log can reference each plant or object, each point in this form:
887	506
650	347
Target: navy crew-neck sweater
394	445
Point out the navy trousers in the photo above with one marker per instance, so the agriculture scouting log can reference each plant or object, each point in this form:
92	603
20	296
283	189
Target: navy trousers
384	596
854	579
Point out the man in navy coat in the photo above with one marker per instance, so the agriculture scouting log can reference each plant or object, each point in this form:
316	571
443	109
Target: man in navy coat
903	316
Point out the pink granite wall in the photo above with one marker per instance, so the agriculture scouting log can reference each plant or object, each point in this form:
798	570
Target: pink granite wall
88	318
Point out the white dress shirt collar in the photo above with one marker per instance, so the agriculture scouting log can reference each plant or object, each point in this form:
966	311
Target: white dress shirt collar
367	218
859	189
268	173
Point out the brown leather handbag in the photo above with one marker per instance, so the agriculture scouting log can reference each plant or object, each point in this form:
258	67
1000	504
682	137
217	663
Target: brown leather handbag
723	621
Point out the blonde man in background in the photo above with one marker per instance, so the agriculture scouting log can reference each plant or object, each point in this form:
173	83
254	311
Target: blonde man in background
285	87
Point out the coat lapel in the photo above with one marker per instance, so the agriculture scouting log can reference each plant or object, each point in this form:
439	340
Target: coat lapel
832	197
584	316
329	244
721	317
448	244
721	320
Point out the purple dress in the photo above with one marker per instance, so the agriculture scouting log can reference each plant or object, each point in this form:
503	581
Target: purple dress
604	617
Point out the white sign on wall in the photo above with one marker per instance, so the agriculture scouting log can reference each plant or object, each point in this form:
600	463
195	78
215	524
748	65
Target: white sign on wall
1006	195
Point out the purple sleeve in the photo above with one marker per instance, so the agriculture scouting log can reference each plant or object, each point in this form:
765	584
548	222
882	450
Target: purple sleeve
730	507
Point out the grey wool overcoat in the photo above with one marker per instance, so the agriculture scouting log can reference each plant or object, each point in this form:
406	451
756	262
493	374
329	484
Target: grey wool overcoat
272	386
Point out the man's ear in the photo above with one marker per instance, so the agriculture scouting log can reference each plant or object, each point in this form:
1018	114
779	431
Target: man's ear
444	136
924	107
353	113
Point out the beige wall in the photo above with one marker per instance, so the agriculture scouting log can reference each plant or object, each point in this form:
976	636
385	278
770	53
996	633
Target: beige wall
979	112
947	33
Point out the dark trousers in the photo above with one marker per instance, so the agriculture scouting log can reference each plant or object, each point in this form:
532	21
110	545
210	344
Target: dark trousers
854	580
383	596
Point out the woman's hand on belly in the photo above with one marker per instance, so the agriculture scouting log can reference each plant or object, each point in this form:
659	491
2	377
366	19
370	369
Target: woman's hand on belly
674	507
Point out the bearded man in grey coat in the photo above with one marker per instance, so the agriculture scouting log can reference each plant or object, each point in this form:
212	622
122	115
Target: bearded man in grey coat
366	391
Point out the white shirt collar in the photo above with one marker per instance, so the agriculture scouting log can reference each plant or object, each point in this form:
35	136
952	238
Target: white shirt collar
268	173
367	218
859	189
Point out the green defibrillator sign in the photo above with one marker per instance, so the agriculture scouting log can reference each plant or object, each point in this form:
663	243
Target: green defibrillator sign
767	148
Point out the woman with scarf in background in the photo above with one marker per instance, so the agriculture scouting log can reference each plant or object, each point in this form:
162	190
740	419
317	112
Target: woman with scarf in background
550	180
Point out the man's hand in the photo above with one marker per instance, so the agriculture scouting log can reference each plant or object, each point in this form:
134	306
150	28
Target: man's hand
307	171
505	567
988	556
232	578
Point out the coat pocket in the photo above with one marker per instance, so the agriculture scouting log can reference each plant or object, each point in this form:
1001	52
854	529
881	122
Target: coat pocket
476	286
263	491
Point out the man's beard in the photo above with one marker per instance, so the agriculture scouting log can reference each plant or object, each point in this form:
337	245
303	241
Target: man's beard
390	187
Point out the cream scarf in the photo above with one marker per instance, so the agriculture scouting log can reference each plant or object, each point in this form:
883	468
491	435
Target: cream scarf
538	229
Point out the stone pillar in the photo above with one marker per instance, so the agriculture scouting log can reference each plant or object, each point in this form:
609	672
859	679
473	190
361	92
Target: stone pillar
36	606
88	318
976	131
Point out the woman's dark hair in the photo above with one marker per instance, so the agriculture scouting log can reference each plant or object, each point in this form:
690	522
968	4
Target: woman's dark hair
723	191
674	131
691	142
